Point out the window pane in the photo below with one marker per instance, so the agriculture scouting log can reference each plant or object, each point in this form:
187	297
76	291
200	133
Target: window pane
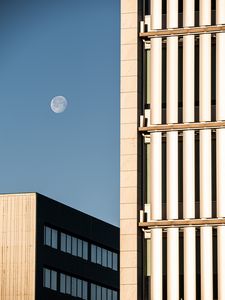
54	239
85	290
74	246
79	252
99	255
115	261
79	288
99	292
47	277
68	285
109	297
104	294
47	236
93	253
85	250
68	243
63	242
93	292
104	257
62	283
110	259
114	295
74	287
54	280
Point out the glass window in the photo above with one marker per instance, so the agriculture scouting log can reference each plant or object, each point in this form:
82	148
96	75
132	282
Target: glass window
104	290
74	287
68	243
93	292
54	243
115	261
85	250
109	259
47	278
62	283
74	246
54	280
68	285
93	253
47	236
63	242
99	255
104	257
109	296
99	292
85	290
79	288
79	246
114	295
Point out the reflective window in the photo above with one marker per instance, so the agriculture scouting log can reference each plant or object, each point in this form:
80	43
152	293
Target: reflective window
104	257
68	244
50	237
73	286
74	246
102	293
115	263
62	283
93	253
63	242
85	250
79	248
50	279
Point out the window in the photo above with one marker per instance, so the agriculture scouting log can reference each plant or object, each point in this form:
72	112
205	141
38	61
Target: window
115	264
50	279
104	257
50	237
73	286
102	293
74	246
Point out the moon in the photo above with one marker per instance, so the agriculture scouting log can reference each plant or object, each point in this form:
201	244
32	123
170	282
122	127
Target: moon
58	104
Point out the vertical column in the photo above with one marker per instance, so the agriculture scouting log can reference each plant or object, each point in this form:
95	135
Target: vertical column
172	154
156	152
220	144
189	153
129	184
205	153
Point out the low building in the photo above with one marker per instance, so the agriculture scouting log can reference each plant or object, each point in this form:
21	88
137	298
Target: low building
51	251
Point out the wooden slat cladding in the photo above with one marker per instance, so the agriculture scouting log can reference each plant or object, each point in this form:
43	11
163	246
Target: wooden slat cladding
17	246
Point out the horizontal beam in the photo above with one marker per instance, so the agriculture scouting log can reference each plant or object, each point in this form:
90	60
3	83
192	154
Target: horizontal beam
182	223
182	31
183	126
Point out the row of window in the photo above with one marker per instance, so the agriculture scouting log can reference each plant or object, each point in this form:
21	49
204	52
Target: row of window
51	237
75	287
50	279
104	257
74	246
101	293
77	247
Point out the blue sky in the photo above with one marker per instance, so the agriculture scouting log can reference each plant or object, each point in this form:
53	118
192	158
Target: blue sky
69	48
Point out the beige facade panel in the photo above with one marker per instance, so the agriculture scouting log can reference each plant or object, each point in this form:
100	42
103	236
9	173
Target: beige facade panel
129	52
128	291
128	115
128	131
128	36
17	246
128	275
129	20
128	179
128	211
128	6
128	195
128	100
128	243
128	68
128	84
128	146
128	226
128	259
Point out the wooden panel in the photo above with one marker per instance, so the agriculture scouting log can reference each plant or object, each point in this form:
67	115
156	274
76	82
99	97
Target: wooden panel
183	31
183	223
17	246
183	126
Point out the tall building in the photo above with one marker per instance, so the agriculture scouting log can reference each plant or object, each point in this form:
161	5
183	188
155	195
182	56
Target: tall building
51	251
172	191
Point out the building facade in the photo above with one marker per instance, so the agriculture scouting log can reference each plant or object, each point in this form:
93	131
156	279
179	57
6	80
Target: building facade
172	191
51	251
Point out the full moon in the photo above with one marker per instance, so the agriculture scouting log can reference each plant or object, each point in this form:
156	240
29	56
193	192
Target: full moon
58	104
